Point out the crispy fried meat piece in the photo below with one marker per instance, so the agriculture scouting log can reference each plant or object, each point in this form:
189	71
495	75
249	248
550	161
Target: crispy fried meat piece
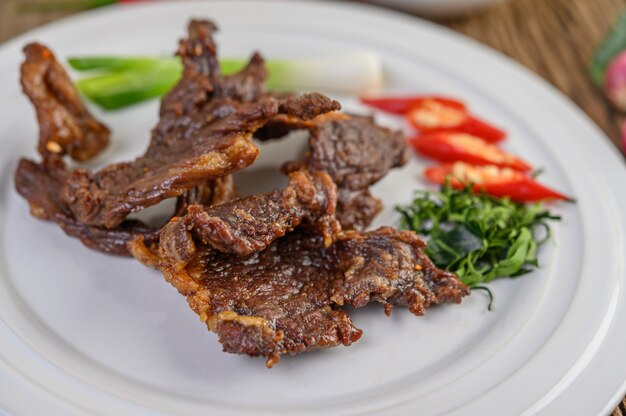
219	147
41	185
65	125
390	267
214	192
356	209
286	299
250	224
354	151
61	114
205	132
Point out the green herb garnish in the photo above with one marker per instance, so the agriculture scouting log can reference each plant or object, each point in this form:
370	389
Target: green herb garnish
478	237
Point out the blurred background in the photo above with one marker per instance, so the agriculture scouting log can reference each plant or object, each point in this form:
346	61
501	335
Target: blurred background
576	45
556	39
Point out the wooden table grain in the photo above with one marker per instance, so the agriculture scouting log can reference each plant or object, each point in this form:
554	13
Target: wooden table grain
553	38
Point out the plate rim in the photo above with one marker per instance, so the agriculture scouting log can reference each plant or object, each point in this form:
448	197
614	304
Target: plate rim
391	15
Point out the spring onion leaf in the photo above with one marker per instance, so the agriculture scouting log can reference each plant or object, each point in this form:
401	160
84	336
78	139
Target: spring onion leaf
120	88
478	237
116	63
123	81
47	6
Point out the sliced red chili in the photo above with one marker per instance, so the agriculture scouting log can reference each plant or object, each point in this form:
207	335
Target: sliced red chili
401	105
432	114
453	147
493	180
480	128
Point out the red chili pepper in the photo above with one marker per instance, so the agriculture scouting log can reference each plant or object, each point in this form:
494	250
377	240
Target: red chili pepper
435	114
479	128
475	127
500	182
453	147
401	105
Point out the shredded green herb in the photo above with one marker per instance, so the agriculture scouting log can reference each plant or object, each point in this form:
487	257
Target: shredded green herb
478	237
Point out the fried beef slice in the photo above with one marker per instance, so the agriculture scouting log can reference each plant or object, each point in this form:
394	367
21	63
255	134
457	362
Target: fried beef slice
286	299
65	125
250	224
41	185
205	132
225	102
354	151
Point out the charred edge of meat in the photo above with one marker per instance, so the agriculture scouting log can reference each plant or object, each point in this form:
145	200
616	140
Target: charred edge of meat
65	124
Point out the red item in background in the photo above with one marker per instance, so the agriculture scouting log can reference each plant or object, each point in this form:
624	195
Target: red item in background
476	127
401	105
434	113
500	182
453	147
482	129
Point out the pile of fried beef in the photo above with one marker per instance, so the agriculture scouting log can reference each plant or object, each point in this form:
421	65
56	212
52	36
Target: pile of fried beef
269	273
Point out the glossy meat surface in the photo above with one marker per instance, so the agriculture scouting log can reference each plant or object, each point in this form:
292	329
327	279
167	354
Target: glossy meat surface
286	299
204	132
354	151
250	224
41	184
65	125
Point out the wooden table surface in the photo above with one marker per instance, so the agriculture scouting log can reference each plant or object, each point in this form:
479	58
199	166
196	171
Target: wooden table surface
554	38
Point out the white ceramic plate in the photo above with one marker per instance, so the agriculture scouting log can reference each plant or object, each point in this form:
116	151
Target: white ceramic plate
82	332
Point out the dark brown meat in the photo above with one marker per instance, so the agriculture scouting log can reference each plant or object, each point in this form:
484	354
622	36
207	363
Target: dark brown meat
356	209
221	146
41	186
65	125
214	192
205	132
250	224
286	299
354	151
390	267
